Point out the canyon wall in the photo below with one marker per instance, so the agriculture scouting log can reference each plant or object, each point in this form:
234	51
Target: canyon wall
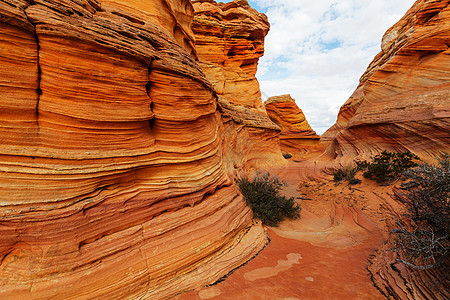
230	41
113	182
402	103
403	99
297	137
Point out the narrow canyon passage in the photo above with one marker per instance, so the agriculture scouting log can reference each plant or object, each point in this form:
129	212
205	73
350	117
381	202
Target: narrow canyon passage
323	255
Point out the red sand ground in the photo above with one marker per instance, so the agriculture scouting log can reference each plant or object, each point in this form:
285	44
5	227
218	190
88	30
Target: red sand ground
323	255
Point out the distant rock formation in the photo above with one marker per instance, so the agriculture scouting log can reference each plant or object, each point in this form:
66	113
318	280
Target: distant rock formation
230	41
403	99
112	178
296	137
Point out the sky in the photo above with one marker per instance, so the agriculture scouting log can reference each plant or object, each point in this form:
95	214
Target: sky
317	50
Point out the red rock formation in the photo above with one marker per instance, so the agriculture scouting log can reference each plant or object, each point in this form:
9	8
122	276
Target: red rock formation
112	179
402	101
396	281
251	140
297	137
230	40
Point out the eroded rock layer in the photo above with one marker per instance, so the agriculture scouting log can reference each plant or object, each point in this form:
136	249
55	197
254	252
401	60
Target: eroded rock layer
402	103
112	178
296	137
251	140
403	99
394	279
230	41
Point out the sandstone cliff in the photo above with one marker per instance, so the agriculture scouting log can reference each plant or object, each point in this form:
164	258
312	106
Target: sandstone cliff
297	137
230	41
403	99
402	103
112	178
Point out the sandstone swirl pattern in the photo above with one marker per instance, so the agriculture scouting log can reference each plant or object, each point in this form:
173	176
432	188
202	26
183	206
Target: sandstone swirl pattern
403	99
230	41
297	137
112	178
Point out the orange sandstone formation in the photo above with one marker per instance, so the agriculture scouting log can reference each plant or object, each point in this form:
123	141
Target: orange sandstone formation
296	137
230	41
112	178
403	99
402	103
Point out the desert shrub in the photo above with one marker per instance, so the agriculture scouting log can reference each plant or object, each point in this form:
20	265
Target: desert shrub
426	245
287	155
387	166
348	173
263	196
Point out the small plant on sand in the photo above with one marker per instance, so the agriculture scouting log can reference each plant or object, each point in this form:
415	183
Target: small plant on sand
348	173
263	196
387	166
287	155
425	243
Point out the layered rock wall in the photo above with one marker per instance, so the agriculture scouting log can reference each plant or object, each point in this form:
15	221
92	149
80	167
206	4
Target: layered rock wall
112	178
402	101
297	137
230	41
401	104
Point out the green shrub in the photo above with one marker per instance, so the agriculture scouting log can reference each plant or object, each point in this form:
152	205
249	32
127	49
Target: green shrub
263	196
427	244
287	155
348	173
387	166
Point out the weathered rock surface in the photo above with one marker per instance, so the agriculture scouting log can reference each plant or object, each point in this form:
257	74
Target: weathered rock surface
112	178
402	103
393	278
251	140
230	41
297	137
403	99
397	281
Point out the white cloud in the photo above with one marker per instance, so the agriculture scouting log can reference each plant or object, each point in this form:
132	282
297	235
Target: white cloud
317	50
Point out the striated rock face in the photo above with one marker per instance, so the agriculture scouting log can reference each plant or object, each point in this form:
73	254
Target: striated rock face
402	103
403	99
394	279
230	41
251	140
296	137
112	178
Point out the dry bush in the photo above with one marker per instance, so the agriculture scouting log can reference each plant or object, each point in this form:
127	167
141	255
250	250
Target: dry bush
347	172
425	244
263	196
